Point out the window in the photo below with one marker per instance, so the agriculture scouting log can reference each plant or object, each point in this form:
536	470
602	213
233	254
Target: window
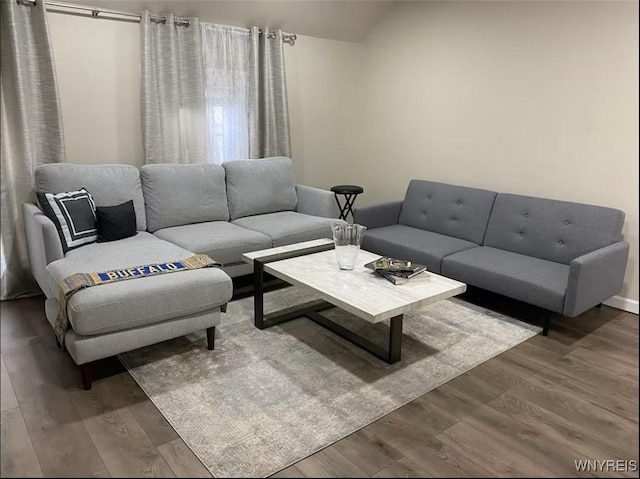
226	72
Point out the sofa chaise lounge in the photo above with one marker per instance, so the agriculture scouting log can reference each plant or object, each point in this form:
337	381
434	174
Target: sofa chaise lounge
561	256
223	211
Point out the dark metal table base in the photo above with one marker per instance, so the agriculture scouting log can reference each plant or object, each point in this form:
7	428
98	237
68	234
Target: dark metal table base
311	310
347	208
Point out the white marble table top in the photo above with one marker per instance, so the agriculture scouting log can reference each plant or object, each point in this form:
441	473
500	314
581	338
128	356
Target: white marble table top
248	257
360	291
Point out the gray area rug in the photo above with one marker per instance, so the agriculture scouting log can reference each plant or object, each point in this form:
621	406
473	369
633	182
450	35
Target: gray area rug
266	399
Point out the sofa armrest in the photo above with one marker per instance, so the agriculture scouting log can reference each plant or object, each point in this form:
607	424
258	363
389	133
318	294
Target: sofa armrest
376	216
43	245
316	202
595	277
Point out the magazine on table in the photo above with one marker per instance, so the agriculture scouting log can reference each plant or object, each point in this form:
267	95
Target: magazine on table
392	277
395	270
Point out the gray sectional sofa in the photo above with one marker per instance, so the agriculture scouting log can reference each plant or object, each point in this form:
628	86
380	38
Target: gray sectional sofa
240	207
223	211
561	256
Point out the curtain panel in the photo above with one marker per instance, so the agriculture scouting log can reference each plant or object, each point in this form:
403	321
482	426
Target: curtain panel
268	105
32	132
212	93
173	95
226	73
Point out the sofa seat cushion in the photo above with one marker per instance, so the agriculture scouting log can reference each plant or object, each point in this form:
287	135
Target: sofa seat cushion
137	302
525	278
414	244
287	227
223	241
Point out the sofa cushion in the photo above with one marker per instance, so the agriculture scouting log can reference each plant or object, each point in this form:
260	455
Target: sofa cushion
554	230
533	280
169	194
260	186
74	215
450	210
289	227
223	241
141	301
414	244
109	184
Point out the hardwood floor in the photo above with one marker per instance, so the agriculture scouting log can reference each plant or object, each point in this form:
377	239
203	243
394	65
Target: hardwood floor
531	411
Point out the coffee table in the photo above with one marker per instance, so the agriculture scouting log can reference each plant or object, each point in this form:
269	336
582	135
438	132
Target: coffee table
361	292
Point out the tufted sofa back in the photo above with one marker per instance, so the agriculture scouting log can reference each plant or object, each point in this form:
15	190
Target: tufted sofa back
554	230
450	210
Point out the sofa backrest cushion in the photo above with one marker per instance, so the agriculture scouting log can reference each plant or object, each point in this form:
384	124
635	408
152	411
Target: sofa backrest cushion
548	229
450	210
109	185
260	186
181	194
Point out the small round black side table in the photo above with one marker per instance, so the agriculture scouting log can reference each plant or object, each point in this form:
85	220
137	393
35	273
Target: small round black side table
350	193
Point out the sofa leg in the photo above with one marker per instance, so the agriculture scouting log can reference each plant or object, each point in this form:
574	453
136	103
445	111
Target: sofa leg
86	373
546	322
211	337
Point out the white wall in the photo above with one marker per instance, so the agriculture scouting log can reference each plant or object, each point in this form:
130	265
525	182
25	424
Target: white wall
535	98
323	80
98	70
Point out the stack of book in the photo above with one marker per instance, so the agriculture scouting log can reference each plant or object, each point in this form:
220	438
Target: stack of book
396	270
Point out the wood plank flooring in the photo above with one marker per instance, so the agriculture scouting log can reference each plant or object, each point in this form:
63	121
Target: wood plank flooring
531	411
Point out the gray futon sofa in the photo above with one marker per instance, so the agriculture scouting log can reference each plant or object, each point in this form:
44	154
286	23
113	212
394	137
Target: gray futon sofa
223	211
561	256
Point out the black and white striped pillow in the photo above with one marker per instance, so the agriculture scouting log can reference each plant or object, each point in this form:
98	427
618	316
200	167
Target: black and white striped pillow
74	214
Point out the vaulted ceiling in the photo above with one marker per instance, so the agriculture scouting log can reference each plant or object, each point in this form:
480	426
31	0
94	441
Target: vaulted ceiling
348	20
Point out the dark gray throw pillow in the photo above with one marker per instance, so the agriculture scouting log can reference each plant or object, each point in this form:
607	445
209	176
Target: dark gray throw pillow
116	222
74	215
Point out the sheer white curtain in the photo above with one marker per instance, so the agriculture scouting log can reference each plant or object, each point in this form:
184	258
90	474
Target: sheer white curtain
212	93
226	76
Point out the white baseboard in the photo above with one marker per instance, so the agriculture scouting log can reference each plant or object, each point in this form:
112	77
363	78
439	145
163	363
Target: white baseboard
626	304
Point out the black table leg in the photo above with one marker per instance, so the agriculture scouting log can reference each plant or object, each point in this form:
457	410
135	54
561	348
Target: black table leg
258	294
351	199
259	319
390	355
347	208
311	310
340	207
395	339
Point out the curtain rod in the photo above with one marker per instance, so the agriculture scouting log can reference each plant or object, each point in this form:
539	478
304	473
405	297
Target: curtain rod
289	38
